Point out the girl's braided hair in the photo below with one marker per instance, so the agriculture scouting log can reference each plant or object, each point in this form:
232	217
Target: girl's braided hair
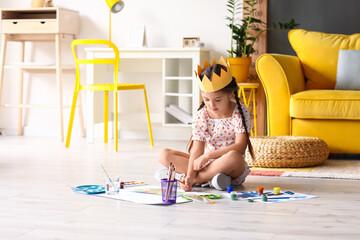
232	87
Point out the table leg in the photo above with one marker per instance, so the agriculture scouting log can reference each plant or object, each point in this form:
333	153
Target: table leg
59	85
2	61
247	104
21	87
254	107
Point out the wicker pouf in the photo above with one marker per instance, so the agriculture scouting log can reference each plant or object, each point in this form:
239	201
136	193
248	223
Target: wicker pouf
287	151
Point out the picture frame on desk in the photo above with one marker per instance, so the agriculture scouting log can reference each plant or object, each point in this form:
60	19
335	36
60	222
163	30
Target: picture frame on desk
189	42
137	36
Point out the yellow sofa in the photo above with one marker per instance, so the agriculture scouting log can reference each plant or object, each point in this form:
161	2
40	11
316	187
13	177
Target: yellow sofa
301	100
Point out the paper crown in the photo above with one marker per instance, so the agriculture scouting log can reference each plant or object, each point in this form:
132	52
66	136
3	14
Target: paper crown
217	82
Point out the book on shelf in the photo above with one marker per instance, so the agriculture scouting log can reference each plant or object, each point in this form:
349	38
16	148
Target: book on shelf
179	113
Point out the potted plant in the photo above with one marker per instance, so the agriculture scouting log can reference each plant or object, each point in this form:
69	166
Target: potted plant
242	44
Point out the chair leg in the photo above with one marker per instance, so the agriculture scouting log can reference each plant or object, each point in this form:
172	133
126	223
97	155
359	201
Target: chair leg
106	115
81	115
71	120
80	106
148	119
116	119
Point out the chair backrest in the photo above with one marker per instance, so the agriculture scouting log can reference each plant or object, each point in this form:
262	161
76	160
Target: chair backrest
78	61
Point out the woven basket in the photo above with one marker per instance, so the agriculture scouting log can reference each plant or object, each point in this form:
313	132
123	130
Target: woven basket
287	151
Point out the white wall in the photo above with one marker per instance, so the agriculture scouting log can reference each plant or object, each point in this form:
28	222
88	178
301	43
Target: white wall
167	22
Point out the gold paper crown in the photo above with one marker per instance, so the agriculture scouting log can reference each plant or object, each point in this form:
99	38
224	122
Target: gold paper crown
217	82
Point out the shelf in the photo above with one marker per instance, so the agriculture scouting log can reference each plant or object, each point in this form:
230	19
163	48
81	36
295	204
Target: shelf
32	106
177	125
179	78
39	67
33	13
28	20
179	94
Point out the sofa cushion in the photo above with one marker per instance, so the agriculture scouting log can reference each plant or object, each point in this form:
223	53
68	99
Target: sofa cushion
318	53
325	104
348	71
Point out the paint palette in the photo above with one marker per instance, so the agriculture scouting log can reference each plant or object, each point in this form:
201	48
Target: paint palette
210	195
91	189
134	183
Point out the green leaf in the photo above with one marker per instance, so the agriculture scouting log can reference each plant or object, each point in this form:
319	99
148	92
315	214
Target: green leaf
251	38
255	20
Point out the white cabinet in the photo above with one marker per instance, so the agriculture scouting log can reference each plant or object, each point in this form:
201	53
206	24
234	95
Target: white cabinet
178	91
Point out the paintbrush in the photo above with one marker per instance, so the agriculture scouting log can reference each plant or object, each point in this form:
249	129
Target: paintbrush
109	177
170	175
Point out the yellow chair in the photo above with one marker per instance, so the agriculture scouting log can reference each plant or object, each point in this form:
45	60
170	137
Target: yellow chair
106	87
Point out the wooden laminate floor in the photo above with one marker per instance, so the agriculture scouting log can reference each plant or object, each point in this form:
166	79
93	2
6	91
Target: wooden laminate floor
36	201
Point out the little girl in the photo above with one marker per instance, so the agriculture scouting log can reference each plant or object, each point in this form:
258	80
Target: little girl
220	134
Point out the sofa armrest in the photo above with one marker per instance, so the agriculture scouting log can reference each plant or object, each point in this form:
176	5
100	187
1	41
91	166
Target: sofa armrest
281	76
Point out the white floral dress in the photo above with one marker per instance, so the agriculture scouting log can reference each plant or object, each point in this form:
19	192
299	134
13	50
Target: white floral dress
219	133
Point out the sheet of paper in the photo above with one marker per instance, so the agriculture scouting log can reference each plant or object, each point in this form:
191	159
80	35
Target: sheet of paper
142	194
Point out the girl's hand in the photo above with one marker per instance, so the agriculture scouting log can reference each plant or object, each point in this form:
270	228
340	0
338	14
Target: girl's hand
188	184
199	162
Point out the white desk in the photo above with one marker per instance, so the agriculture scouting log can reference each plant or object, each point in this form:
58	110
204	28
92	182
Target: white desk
177	71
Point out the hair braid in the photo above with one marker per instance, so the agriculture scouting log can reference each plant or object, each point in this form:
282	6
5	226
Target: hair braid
251	150
190	143
201	105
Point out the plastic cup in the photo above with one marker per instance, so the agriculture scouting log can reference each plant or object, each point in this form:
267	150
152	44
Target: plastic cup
260	190
168	191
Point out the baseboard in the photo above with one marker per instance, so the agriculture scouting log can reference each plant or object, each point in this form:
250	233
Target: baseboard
37	132
159	132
